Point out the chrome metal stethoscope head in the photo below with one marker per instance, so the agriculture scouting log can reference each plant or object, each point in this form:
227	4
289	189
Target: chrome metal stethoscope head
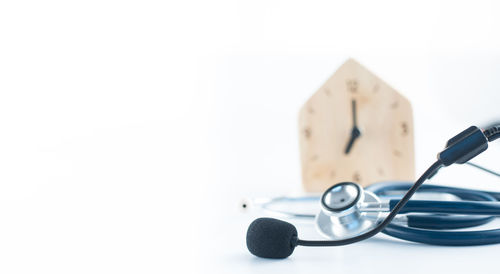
341	216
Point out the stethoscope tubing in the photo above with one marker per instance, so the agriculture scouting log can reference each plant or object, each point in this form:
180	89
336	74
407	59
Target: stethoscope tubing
429	222
475	202
449	207
437	221
446	238
434	228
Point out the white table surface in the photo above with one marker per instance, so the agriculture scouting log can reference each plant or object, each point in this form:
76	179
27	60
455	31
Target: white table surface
380	254
223	246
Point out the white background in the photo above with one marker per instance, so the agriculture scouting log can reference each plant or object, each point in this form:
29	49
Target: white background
130	130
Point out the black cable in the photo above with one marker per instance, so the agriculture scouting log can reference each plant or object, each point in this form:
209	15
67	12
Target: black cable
492	133
386	221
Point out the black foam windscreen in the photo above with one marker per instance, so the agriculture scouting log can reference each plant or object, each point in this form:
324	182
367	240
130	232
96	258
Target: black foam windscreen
271	238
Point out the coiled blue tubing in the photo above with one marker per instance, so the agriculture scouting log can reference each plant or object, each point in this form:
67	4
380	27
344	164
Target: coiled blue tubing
433	228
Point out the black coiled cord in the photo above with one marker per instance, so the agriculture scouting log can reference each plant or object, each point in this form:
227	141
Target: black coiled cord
492	133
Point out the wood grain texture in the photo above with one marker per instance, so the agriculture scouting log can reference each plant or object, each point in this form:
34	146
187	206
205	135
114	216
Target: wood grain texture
385	150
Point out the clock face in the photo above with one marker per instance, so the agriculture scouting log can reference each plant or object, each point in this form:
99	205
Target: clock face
355	128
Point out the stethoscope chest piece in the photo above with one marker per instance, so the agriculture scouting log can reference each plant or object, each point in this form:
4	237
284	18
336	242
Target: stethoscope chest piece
341	216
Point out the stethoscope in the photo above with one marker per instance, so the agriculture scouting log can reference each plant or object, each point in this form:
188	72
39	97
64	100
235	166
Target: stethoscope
348	213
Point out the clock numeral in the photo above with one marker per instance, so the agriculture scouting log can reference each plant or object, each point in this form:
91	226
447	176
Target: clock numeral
307	132
327	91
397	153
356	177
404	129
394	105
376	88
332	174
380	171
352	85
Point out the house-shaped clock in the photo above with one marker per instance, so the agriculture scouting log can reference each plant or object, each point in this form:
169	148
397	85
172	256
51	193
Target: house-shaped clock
355	128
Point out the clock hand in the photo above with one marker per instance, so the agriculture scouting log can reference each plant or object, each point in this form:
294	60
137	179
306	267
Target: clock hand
354	118
355	132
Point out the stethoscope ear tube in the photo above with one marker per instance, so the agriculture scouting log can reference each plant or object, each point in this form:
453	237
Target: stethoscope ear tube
450	207
445	222
437	221
447	238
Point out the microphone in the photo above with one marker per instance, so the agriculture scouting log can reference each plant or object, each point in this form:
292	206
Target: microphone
271	238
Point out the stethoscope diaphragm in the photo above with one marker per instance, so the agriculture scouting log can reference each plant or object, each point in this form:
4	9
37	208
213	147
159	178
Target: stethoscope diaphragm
340	216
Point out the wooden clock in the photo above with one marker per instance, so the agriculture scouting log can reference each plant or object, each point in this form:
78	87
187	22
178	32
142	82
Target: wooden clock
355	128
